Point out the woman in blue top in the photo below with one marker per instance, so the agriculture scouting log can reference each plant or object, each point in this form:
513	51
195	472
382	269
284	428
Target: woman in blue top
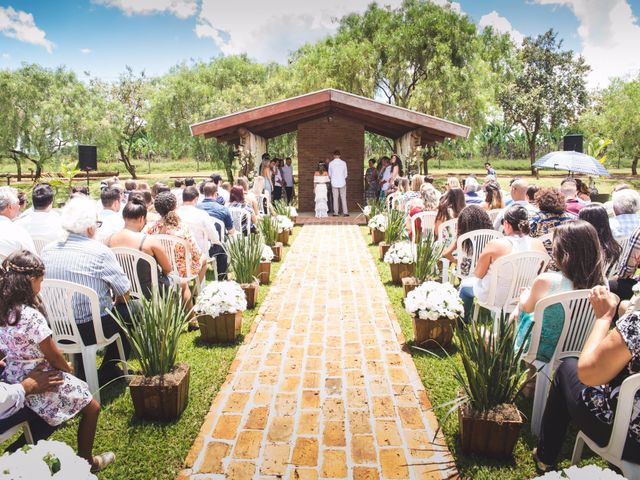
576	251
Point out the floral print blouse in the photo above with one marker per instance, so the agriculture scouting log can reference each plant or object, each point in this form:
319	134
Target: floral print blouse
159	228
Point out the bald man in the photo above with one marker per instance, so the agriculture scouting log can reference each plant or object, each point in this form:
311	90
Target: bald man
518	197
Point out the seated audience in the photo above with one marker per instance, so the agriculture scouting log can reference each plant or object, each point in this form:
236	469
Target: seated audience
518	196
584	193
12	236
516	240
584	391
110	217
81	259
237	201
131	236
493	196
427	203
531	195
626	204
577	253
248	194
44	221
449	206
214	209
82	190
453	182
569	189
129	186
622	284
471	195
551	205
178	188
27	341
597	216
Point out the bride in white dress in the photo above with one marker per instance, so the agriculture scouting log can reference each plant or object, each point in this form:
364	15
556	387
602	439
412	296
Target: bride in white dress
321	180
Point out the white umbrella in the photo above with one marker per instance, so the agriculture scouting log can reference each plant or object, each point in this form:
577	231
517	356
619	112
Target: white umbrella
574	162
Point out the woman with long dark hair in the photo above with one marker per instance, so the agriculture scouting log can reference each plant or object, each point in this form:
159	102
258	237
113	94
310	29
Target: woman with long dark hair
577	253
450	206
27	341
597	216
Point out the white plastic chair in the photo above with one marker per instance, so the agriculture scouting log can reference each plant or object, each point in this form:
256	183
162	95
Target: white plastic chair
450	227
578	322
478	239
526	266
493	214
427	223
58	300
24	426
199	235
40	241
389	201
612	270
128	259
220	228
264	204
612	452
240	217
170	244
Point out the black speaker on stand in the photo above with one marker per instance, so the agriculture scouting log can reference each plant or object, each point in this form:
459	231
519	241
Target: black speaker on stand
88	159
572	143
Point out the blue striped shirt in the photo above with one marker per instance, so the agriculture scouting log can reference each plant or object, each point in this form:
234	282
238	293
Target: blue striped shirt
81	260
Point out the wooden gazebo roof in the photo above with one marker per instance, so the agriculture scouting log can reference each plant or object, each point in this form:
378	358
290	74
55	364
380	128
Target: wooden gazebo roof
284	116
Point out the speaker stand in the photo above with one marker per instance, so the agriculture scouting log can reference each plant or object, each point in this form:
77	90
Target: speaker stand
87	178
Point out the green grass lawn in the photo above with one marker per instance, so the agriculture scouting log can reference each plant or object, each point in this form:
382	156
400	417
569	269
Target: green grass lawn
152	450
441	386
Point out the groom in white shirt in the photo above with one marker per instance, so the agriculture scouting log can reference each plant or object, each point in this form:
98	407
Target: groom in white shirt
338	175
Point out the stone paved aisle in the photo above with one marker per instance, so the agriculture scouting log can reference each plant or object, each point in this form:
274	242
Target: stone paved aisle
322	388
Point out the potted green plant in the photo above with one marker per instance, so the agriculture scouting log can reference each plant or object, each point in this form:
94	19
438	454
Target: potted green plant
491	377
394	231
373	207
161	392
244	254
428	254
264	272
435	309
219	311
285	226
280	207
268	228
377	225
401	260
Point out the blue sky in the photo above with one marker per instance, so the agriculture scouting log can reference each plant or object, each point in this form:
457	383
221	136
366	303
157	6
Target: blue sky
103	36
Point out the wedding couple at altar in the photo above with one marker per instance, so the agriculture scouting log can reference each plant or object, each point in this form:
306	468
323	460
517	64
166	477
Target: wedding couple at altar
336	176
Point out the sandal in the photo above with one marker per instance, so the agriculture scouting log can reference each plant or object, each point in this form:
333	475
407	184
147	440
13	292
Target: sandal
102	461
541	467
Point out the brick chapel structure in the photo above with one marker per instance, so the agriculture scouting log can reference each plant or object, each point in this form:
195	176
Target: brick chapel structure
325	121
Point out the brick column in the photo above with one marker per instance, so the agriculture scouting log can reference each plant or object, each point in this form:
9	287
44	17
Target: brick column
317	139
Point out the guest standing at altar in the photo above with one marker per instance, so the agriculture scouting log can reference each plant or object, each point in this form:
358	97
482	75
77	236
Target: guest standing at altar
287	175
338	174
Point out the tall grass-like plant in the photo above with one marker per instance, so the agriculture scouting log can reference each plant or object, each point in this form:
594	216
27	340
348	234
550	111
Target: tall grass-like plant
280	207
154	331
395	227
428	253
373	207
244	254
492	372
268	227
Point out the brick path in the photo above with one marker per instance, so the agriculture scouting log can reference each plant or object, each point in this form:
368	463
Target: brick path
322	389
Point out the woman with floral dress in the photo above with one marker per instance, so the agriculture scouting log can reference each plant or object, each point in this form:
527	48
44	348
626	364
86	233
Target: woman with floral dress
27	342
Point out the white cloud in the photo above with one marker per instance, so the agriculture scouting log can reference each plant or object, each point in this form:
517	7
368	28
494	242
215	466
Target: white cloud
501	25
179	8
6	56
269	30
86	51
610	37
21	26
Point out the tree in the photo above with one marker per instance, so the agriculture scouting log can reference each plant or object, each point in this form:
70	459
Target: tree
43	111
548	90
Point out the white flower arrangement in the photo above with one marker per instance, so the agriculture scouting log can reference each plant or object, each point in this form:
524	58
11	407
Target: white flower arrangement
400	252
46	459
222	297
592	472
378	222
292	211
433	300
366	210
284	223
267	253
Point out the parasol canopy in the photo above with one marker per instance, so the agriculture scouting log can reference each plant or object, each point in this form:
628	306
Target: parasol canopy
574	162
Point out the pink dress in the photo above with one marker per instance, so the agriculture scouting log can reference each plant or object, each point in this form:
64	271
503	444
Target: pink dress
21	344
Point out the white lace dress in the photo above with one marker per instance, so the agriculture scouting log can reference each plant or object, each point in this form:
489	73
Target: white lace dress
320	188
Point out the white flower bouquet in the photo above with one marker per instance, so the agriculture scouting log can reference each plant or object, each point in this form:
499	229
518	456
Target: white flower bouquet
592	472
292	211
46	459
433	300
267	254
219	298
366	210
378	222
284	223
400	252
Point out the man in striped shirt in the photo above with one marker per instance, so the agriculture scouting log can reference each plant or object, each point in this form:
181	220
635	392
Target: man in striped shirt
622	284
83	260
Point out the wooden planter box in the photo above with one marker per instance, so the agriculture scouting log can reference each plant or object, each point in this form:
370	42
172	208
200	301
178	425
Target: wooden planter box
251	292
161	398
377	236
264	273
221	329
283	237
409	284
433	332
277	251
401	270
486	436
294	220
384	248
